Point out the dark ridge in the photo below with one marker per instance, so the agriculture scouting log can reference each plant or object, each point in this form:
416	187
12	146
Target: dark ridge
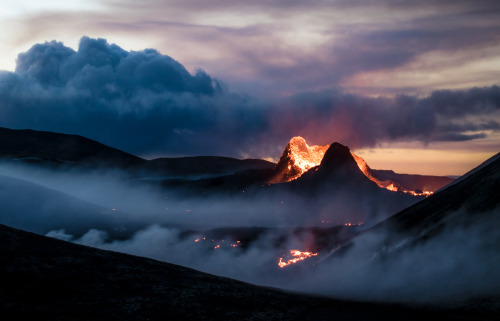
55	149
199	165
412	182
63	149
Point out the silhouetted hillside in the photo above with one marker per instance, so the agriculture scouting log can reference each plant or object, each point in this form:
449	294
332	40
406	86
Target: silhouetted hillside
49	279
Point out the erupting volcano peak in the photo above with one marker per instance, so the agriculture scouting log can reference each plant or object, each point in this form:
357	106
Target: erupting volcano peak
297	158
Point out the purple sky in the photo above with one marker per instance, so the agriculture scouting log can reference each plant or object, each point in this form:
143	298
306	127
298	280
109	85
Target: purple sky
239	78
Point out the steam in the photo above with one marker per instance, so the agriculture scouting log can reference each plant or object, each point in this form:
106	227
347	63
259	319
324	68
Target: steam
139	203
458	264
110	210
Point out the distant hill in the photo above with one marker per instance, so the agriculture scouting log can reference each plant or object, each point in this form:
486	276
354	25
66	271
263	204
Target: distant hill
54	149
60	149
412	182
205	165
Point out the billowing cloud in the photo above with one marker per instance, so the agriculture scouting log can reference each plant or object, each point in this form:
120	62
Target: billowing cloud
147	103
364	121
138	101
283	47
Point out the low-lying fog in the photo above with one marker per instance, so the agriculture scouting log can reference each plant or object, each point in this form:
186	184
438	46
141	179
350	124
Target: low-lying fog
109	210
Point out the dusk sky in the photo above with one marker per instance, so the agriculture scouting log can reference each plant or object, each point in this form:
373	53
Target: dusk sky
408	85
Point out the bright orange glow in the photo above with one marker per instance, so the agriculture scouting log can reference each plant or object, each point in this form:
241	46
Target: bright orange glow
217	246
354	224
197	240
297	256
389	185
297	159
440	159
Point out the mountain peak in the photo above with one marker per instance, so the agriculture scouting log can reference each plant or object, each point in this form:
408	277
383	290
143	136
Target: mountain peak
297	158
338	157
335	155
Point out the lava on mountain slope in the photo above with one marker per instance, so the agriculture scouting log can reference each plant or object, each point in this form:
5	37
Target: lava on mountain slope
298	158
296	257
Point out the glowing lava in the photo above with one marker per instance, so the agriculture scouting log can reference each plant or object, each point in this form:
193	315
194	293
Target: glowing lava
297	256
354	224
299	157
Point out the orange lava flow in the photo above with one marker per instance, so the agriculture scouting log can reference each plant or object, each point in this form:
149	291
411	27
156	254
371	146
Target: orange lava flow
297	256
389	185
354	224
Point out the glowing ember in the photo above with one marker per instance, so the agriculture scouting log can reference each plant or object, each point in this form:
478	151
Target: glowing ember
217	246
197	240
354	224
297	256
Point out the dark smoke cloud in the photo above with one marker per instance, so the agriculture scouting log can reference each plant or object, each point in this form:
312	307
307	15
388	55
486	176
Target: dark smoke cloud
137	101
147	103
361	121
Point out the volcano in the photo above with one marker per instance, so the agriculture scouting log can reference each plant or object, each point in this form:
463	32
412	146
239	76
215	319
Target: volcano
298	158
337	168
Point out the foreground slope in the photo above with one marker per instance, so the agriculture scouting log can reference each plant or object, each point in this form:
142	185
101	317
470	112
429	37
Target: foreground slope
444	248
471	200
473	197
49	279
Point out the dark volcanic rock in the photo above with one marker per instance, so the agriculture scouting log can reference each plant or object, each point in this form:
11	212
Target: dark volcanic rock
337	169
